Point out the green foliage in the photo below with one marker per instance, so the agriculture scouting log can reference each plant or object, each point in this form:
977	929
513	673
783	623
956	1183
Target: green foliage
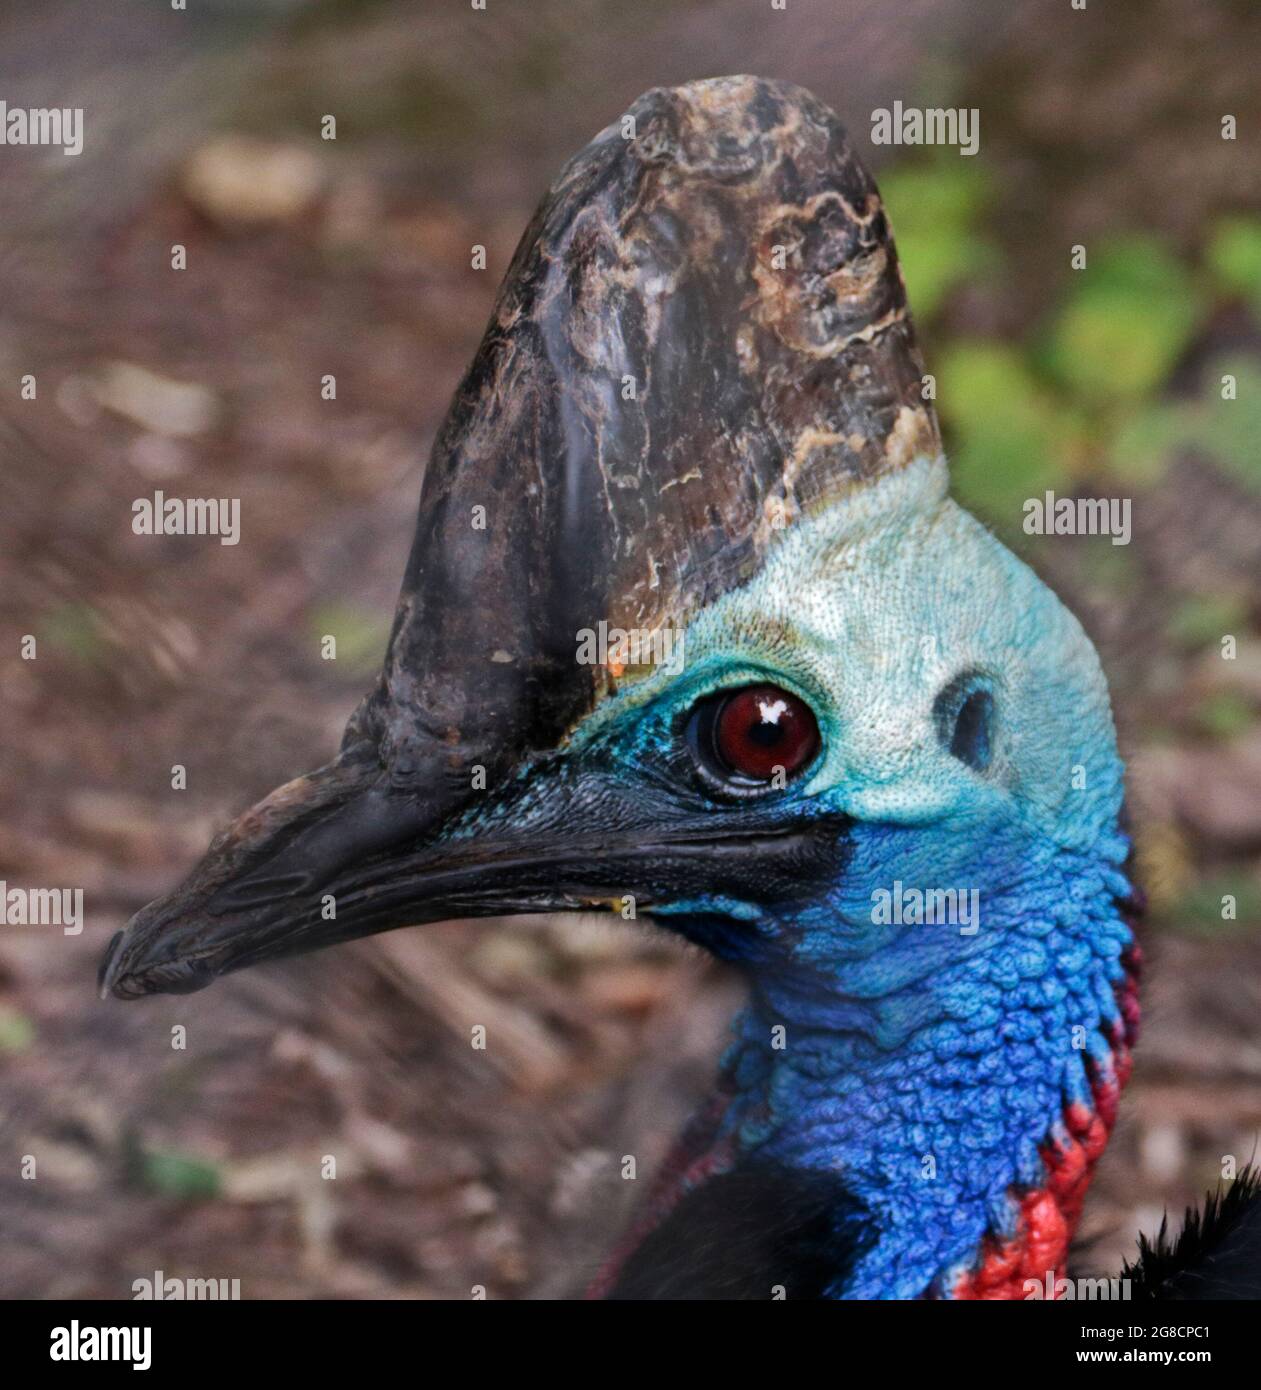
1226	431
1234	256
1199	910
938	243
1013	442
17	1032
179	1175
73	631
1230	431
1145	440
1130	316
1223	715
1023	418
1110	570
361	636
1202	618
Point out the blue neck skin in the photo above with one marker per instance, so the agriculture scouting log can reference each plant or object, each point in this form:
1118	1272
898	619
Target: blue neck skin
924	1064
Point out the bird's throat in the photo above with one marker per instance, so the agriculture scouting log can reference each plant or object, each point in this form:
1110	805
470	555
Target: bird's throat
961	1115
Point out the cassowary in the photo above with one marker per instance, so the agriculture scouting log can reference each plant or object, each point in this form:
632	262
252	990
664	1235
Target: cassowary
691	621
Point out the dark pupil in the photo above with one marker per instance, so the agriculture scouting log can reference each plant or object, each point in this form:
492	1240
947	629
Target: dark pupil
765	733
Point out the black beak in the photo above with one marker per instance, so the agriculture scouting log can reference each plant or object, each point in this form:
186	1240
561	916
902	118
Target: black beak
702	337
285	877
339	855
329	857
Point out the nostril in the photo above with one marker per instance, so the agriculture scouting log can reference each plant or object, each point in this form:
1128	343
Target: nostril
259	892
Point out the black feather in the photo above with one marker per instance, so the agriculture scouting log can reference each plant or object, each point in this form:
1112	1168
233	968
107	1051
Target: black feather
749	1233
1217	1253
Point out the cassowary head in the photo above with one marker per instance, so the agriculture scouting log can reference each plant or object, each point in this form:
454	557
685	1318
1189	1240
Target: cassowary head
691	629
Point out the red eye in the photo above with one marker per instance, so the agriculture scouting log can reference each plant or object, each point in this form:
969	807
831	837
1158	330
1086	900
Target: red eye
755	731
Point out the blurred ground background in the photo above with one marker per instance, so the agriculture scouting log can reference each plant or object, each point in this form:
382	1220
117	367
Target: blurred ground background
352	257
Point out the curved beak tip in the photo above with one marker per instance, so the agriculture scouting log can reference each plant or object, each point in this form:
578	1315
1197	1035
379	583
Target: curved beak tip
131	969
105	972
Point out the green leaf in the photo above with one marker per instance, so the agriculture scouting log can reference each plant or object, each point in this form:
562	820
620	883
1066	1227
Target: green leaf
933	211
1200	909
1226	431
361	636
1230	431
1146	441
1234	256
1128	320
179	1175
1202	618
1224	715
17	1032
1009	441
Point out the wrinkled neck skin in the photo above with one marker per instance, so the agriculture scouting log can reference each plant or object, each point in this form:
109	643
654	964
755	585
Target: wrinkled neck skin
959	1076
933	1069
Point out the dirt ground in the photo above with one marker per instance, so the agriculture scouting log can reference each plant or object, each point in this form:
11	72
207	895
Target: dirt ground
457	1168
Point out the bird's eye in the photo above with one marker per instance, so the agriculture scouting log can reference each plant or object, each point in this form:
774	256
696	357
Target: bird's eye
744	737
965	721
